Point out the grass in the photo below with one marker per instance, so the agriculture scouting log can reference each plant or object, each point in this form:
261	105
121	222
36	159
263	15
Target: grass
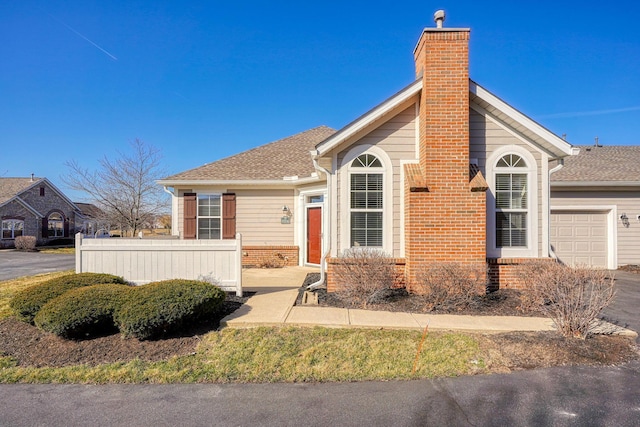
289	354
58	250
9	288
269	354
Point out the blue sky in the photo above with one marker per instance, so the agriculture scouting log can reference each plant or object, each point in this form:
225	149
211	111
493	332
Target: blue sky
204	80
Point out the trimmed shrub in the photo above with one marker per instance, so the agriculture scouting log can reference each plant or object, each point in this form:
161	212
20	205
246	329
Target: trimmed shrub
451	285
158	308
572	296
28	302
25	243
84	312
363	274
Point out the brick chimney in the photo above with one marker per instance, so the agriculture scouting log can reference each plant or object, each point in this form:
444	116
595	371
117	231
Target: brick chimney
444	214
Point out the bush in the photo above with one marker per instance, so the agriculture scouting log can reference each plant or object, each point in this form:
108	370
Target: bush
84	312
153	310
276	260
25	243
28	302
362	274
451	285
572	297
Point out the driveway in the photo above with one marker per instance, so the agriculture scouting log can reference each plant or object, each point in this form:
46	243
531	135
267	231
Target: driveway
624	310
14	264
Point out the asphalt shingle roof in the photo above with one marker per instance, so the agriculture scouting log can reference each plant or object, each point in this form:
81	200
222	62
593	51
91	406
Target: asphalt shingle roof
10	187
601	164
285	157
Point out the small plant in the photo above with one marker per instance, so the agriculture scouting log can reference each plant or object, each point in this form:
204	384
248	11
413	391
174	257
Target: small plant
572	296
362	274
28	302
25	243
275	260
84	312
451	285
155	309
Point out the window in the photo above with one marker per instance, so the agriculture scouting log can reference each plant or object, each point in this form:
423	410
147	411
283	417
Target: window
41	191
12	228
209	216
55	225
366	201
511	196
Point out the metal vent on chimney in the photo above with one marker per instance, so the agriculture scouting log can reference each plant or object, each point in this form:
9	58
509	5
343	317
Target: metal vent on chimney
439	18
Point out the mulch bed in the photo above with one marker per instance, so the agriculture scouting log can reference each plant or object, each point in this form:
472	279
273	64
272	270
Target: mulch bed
631	268
32	347
503	302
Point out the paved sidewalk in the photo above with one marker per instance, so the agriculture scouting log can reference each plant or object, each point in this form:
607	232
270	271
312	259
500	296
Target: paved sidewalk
277	290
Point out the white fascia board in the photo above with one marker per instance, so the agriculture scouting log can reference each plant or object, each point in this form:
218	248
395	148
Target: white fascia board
288	182
370	117
562	146
595	184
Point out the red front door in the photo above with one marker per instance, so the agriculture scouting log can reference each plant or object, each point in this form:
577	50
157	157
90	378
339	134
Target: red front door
314	235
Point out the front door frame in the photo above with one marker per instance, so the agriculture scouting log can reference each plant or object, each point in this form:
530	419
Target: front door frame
305	204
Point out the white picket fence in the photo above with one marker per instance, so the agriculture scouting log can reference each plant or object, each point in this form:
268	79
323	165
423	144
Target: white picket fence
148	260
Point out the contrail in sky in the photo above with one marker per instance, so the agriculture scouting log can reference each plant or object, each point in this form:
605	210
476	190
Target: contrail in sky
83	36
589	113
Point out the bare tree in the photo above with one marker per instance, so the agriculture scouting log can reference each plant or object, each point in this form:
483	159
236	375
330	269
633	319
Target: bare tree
124	188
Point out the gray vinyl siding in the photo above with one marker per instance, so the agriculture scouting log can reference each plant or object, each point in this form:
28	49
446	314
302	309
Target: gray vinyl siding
628	202
397	137
485	137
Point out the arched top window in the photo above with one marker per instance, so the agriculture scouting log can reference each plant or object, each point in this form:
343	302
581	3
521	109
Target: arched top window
55	225
511	161
366	161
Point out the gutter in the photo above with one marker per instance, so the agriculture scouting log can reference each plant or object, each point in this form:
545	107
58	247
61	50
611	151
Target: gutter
560	165
326	229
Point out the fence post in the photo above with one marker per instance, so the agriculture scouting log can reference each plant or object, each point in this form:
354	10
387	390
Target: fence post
239	264
78	252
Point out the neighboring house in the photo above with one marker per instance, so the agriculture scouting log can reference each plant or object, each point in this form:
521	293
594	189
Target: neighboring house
595	207
442	171
90	220
34	207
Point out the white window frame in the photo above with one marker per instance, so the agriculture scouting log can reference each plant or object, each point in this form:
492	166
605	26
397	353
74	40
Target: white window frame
531	170
13	223
51	222
387	196
198	216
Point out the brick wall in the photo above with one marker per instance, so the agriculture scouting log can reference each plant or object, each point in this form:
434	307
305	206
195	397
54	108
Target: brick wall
445	221
256	256
333	285
503	273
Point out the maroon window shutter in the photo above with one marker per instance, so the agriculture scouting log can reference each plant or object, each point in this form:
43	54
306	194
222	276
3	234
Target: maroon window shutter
45	227
228	216
190	214
66	227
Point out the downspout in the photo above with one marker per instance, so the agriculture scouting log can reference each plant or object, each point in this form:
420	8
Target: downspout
173	217
326	229
552	254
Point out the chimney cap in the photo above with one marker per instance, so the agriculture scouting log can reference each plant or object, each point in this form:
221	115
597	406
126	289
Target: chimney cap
438	17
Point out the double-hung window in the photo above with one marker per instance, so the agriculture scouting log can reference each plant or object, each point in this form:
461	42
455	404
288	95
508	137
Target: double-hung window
512	207
12	228
209	216
366	201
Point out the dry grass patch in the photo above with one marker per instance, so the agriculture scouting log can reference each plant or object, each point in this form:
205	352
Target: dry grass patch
58	251
9	288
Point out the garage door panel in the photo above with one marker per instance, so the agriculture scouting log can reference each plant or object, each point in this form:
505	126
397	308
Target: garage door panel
580	238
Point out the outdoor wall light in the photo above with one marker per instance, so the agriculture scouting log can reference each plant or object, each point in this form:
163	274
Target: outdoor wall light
625	220
286	210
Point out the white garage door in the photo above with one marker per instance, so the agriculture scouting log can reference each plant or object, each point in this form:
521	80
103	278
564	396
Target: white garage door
579	237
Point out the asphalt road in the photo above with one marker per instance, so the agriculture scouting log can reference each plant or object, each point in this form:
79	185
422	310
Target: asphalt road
14	264
578	396
625	310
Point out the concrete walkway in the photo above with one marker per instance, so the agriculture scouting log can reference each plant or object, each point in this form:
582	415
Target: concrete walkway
277	290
